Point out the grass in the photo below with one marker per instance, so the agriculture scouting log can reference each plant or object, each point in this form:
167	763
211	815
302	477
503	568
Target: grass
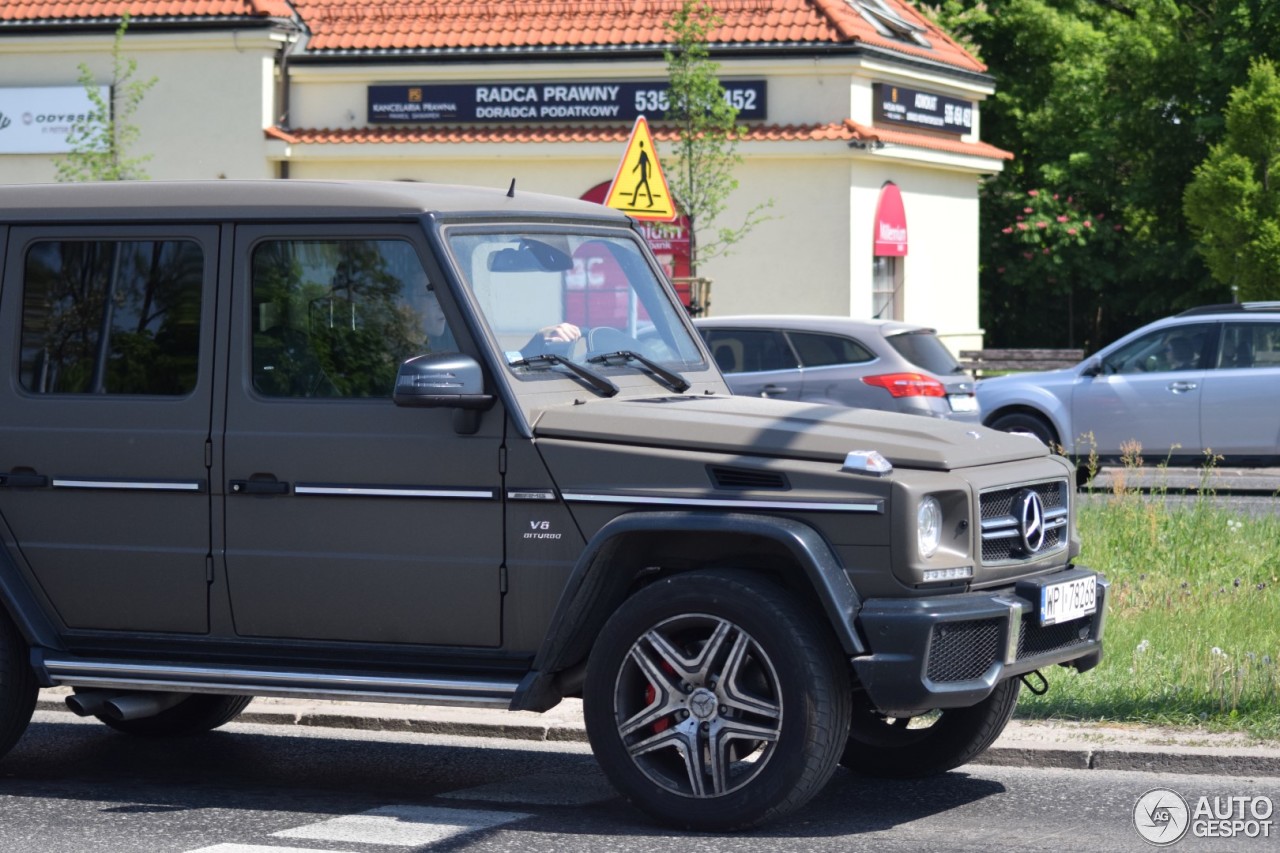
1193	634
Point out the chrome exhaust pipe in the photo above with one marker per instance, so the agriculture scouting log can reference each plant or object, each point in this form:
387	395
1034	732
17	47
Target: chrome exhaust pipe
133	706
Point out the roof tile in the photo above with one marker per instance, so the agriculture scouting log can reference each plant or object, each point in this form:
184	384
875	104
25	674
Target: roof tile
43	10
846	131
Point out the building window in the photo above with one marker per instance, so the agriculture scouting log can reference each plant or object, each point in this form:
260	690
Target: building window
886	288
889	23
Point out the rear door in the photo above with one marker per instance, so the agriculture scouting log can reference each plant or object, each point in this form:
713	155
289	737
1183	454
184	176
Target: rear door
1240	412
347	517
105	434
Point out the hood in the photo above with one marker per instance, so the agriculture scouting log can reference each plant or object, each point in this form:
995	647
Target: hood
779	428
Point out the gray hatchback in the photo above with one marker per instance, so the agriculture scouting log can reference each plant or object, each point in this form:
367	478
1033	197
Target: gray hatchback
868	364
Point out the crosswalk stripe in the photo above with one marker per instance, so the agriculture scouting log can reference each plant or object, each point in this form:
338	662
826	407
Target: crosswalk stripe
400	826
262	848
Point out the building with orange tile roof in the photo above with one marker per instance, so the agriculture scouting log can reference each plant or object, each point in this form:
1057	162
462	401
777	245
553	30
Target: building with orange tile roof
862	119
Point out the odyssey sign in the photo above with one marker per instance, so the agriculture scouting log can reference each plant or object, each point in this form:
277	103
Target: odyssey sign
535	102
36	120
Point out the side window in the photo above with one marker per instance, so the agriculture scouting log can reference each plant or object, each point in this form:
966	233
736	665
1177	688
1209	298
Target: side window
111	317
1172	349
749	350
335	318
817	350
1249	345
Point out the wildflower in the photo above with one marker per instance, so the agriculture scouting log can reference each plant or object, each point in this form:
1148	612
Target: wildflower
1087	224
1071	231
1006	230
1143	646
1033	193
1062	218
1022	226
1217	652
1027	210
1045	251
1042	224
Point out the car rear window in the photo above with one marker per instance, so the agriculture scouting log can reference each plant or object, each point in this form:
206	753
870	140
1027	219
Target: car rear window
924	350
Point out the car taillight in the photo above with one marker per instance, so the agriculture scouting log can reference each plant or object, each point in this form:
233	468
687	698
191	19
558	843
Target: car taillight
907	384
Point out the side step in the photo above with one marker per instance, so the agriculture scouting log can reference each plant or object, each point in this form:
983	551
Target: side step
130	677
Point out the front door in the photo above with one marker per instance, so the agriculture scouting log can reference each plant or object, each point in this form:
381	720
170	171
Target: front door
347	517
105	434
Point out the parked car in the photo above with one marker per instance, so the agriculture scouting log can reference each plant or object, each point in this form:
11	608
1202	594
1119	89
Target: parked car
1205	380
868	364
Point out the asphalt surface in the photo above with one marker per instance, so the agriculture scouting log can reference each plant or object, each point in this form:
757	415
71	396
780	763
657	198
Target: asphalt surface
1079	746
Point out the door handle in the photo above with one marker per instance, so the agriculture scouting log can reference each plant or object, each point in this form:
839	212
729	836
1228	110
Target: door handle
259	487
24	480
1182	387
771	389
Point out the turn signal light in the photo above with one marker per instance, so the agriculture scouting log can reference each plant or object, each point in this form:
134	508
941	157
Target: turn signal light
907	384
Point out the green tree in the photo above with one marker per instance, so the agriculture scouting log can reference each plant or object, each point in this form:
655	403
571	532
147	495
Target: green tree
1113	103
1233	202
701	177
100	141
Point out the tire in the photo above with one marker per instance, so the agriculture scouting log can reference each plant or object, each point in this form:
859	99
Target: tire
739	653
891	748
17	685
1023	423
197	714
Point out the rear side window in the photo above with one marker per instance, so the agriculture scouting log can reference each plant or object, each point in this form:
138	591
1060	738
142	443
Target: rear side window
924	350
818	350
1250	345
111	317
749	350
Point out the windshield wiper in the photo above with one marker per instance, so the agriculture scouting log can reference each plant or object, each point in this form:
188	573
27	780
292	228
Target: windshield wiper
670	378
602	386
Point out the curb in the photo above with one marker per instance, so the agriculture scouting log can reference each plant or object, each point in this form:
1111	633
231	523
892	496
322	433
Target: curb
1020	752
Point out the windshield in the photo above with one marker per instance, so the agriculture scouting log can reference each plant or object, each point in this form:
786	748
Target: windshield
573	295
924	350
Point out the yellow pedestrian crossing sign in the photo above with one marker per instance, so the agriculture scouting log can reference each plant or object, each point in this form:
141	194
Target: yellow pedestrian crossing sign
639	188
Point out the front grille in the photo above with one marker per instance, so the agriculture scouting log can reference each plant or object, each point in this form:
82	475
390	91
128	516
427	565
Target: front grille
963	651
1001	535
1035	639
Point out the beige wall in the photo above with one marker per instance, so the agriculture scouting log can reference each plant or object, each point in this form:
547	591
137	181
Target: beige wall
203	118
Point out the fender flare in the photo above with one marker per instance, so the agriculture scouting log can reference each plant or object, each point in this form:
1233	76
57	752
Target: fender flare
22	606
593	592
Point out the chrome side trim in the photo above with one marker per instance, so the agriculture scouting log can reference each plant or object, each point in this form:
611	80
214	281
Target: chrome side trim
432	691
743	504
389	491
134	485
1006	526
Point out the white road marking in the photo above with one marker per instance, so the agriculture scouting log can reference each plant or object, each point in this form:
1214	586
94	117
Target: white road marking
541	789
261	848
400	826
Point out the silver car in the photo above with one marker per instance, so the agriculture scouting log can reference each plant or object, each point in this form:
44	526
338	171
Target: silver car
1205	380
868	364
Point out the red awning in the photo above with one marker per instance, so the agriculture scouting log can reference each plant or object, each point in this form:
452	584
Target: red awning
891	223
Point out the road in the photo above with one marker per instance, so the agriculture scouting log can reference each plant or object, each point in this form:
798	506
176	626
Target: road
72	786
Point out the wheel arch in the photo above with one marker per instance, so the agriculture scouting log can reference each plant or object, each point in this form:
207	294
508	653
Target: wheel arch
639	546
1053	417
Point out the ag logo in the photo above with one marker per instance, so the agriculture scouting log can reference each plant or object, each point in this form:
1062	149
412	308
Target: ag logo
1161	816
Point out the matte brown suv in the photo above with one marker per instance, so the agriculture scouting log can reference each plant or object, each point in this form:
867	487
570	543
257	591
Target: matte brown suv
462	446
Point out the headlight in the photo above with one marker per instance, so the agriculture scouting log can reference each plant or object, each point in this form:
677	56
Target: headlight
928	526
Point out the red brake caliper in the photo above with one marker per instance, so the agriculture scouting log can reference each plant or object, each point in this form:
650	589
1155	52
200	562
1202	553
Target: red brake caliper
651	693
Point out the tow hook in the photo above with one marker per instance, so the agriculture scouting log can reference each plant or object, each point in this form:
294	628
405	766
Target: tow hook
1041	685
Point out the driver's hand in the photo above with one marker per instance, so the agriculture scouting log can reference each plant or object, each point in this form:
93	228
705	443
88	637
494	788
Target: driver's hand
561	333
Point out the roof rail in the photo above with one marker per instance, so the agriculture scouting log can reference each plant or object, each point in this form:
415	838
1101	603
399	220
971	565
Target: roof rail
1231	307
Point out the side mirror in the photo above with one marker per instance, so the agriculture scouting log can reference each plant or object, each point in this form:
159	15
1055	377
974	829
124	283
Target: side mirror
1092	367
441	380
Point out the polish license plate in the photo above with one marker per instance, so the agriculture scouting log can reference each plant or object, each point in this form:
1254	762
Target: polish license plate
963	402
1062	602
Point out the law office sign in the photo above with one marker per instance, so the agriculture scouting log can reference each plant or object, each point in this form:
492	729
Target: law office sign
522	101
925	110
37	119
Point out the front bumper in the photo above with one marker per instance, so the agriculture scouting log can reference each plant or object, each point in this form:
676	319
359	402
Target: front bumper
951	651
